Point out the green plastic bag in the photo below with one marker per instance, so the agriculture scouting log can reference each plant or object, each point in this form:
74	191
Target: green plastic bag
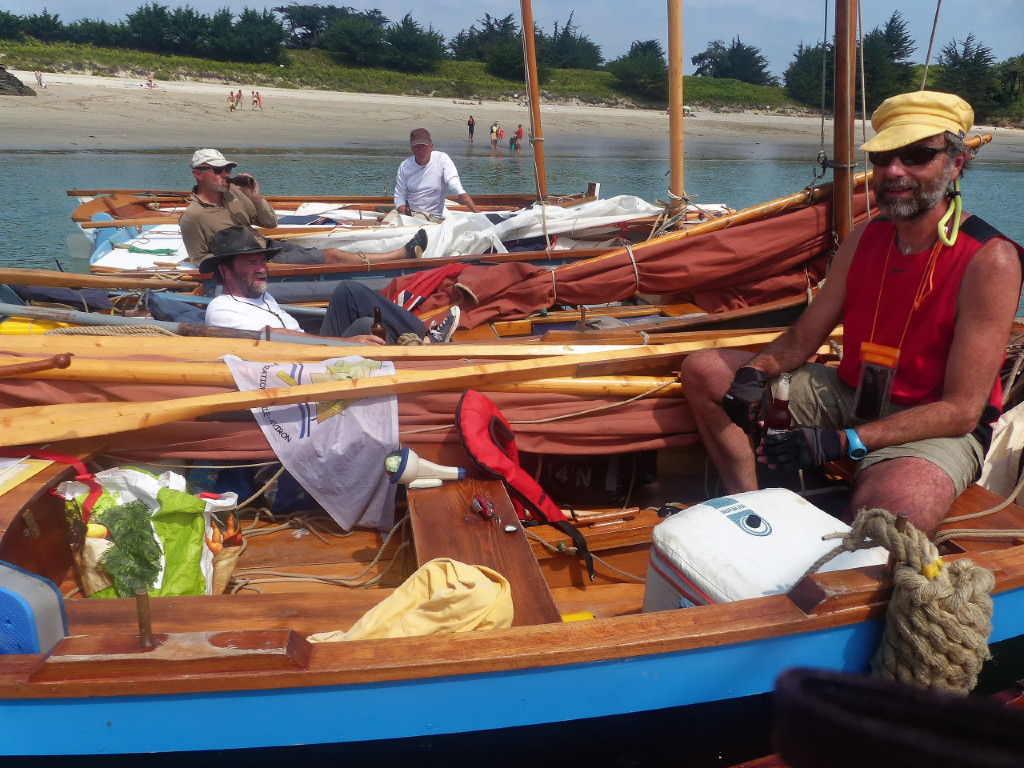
161	528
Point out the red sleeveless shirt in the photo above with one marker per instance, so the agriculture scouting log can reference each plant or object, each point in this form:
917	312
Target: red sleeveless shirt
891	287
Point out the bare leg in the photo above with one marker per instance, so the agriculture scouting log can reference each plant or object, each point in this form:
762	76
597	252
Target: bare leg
913	487
706	377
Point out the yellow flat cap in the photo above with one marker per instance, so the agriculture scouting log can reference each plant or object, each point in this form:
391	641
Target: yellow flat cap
910	117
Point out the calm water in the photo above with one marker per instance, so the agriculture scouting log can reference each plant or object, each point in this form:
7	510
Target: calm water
35	215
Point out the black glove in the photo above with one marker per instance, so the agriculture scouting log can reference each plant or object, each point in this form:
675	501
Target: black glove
747	399
802	447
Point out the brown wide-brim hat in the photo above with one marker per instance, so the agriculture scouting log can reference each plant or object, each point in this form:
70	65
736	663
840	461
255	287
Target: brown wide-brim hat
231	242
911	117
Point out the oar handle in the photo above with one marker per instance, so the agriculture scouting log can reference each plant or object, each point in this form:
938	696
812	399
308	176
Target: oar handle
34	366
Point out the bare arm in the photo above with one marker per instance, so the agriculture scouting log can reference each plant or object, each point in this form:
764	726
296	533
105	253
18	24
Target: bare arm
467	201
986	306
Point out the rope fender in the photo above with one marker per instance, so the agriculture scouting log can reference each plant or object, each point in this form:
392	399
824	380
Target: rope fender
939	617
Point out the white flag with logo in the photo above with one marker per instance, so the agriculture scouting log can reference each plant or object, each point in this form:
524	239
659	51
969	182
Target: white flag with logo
334	449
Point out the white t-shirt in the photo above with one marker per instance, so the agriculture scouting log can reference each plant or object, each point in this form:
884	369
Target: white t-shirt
229	311
423	187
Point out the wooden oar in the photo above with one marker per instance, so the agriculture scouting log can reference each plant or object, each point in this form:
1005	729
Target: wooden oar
46	423
52	279
218	375
35	366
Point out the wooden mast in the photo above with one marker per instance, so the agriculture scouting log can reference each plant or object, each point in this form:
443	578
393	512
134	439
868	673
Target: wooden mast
675	103
845	88
537	137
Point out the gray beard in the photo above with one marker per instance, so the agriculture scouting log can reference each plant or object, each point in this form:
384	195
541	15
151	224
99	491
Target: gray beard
927	197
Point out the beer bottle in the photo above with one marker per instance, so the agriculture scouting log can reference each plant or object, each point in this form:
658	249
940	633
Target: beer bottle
778	420
378	329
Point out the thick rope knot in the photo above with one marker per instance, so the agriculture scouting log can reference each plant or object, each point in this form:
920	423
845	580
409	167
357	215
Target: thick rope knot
939	616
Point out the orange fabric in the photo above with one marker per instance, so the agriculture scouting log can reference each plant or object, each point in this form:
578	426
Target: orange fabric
717	271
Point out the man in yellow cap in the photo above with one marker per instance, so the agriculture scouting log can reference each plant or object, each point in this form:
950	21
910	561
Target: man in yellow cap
926	295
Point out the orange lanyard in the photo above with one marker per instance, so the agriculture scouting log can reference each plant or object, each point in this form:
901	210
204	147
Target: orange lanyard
924	288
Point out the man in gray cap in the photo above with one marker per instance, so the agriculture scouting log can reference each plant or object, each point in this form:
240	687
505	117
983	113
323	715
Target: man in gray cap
238	262
425	178
926	295
219	201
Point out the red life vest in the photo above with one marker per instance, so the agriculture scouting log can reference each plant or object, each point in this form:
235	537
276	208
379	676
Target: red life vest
491	444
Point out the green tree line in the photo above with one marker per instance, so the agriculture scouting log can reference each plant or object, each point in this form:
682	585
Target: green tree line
367	39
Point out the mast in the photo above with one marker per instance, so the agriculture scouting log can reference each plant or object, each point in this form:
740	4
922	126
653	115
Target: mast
537	137
675	103
842	136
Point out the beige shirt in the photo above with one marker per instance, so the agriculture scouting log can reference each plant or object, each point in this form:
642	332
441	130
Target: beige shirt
201	221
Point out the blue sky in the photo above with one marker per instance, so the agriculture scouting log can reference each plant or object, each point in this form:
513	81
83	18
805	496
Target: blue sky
776	28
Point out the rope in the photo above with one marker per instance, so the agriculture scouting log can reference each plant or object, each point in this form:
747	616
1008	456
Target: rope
939	616
636	272
931	42
116	330
562	549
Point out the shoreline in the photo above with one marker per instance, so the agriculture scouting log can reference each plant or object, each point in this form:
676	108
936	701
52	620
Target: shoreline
91	113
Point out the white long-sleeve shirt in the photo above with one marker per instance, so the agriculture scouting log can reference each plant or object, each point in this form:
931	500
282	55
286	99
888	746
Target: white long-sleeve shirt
423	187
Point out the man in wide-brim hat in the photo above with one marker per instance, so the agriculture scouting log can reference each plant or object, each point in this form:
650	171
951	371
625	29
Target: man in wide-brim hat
238	261
926	296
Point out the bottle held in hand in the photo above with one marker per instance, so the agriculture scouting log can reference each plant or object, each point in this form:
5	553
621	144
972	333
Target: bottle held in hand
778	420
378	329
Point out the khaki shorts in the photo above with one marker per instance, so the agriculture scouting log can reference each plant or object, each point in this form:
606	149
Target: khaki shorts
817	398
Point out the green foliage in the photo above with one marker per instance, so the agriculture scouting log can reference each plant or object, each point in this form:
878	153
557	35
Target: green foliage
737	61
257	36
1010	75
10	26
474	44
411	48
43	26
506	61
133	559
567	49
307	24
803	77
886	58
355	39
643	71
967	70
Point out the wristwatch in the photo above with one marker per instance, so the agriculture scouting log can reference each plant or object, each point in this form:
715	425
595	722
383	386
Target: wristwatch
855	448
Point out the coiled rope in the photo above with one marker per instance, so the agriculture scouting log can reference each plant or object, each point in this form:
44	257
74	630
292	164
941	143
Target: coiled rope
940	614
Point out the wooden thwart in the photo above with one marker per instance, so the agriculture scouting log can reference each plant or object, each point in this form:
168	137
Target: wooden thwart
443	525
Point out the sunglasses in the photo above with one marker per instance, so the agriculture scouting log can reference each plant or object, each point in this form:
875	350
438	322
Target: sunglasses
219	171
916	154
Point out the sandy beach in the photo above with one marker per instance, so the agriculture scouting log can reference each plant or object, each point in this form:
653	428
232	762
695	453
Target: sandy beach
84	112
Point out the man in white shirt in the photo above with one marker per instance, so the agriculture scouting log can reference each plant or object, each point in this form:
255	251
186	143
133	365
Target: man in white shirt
425	178
238	261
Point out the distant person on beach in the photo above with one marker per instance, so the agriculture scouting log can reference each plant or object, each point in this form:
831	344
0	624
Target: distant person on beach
424	179
516	141
149	80
494	135
259	101
219	202
39	79
238	98
472	126
926	308
238	261
253	93
231	101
